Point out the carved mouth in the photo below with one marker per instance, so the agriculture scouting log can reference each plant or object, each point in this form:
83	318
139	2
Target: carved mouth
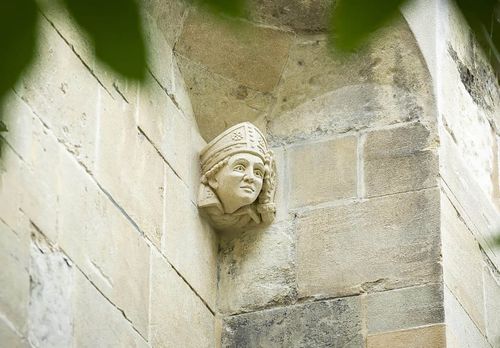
248	189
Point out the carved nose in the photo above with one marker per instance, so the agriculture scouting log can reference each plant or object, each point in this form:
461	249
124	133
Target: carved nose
249	177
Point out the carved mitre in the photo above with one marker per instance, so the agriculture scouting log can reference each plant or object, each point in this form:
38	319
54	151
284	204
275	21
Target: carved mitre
238	181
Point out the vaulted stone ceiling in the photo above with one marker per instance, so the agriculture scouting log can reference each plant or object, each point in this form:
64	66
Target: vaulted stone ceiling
277	70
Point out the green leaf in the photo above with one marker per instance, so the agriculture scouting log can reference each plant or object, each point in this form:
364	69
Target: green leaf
353	20
231	8
115	28
3	127
483	16
18	28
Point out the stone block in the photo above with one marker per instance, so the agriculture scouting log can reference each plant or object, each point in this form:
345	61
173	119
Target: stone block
167	16
160	57
374	245
189	243
399	159
181	93
165	127
404	308
253	56
31	177
430	336
492	304
297	15
323	91
283	188
129	167
478	209
333	323
460	329
178	317
323	171
105	245
51	285
10	338
462	263
62	91
14	278
219	102
257	269
97	322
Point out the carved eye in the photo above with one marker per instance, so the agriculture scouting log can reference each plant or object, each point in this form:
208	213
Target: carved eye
239	168
258	173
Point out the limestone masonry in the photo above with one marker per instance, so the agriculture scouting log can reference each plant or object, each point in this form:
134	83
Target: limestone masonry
358	211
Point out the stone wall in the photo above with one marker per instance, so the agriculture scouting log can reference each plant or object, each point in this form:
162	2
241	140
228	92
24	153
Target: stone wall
469	129
388	189
354	257
101	242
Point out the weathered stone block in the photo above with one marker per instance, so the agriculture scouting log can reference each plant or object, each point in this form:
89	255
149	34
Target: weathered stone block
431	336
218	102
63	93
404	308
257	268
492	304
178	317
166	127
14	278
51	285
97	322
462	263
30	179
189	243
310	16
333	323
460	329
137	185
160	57
104	244
399	159
374	245
322	172
253	56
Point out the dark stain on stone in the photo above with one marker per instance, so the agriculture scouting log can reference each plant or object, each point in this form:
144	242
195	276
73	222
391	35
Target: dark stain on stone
477	78
241	92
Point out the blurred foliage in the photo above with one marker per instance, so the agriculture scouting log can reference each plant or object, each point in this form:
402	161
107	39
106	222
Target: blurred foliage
115	28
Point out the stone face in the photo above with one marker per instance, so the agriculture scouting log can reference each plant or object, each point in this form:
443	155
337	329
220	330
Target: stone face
460	329
492	304
178	317
430	336
253	56
62	91
404	308
462	262
334	323
97	322
137	186
323	171
50	308
219	102
238	179
189	243
307	16
375	245
104	244
399	159
14	278
257	269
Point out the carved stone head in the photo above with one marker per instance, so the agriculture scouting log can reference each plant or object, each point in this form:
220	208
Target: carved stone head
238	181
